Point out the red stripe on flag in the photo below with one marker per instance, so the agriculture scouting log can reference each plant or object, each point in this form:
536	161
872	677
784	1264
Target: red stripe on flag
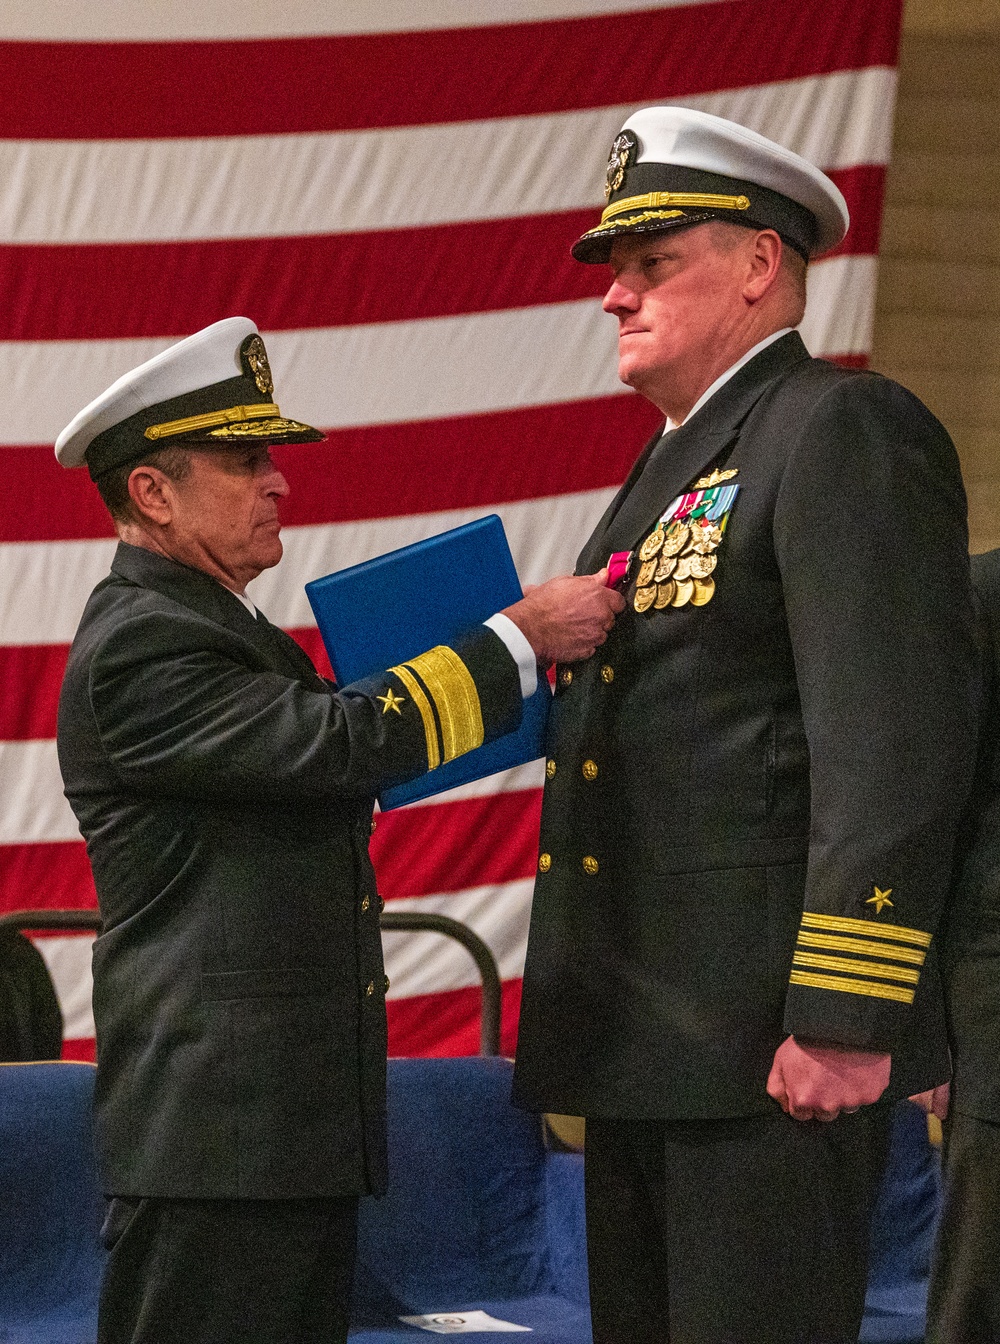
864	191
30	678
97	290
452	846
46	877
436	1025
93	91
80	1048
474	461
131	290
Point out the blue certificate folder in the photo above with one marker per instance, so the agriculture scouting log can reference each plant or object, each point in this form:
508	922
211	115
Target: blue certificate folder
380	613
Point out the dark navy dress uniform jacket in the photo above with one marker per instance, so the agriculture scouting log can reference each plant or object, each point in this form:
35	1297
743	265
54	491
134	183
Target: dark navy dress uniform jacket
225	792
731	785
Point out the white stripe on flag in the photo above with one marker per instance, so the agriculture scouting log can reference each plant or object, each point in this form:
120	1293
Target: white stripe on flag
425	963
68	960
54	191
35	808
429	369
126	21
362	375
46	584
840	313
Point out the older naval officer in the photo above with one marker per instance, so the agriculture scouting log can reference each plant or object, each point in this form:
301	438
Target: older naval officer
225	792
753	791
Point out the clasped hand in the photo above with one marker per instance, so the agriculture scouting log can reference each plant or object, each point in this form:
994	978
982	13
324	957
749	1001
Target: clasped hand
819	1082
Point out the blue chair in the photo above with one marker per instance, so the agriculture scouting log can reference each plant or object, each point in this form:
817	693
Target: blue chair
903	1231
51	1209
479	1216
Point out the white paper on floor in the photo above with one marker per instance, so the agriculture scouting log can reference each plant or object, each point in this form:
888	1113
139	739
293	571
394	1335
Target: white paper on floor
462	1323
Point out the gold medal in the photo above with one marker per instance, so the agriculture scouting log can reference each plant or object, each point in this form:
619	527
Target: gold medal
708	539
684	590
651	546
646	573
644	598
666	566
664	594
701	566
675	538
683	570
704	591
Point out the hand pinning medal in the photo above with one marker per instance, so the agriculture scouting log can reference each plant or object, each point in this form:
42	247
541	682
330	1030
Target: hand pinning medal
679	555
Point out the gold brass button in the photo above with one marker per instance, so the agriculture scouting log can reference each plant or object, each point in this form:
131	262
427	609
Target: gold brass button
370	989
544	862
365	902
590	769
386	984
550	769
372	831
607	674
381	904
566	676
590	865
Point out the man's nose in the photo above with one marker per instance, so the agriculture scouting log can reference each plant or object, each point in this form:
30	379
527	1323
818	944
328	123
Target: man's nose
620	299
276	485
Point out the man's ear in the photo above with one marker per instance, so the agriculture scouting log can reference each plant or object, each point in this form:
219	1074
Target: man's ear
152	495
764	265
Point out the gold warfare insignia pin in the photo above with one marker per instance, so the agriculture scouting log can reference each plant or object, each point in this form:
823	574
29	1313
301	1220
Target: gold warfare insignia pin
621	152
256	364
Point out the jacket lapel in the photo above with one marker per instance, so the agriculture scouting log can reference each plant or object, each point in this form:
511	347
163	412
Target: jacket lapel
595	553
668	466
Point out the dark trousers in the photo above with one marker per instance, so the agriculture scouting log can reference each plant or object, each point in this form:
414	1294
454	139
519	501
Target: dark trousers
964	1301
218	1271
748	1231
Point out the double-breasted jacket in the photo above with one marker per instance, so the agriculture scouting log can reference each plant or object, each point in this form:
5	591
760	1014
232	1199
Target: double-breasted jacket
751	804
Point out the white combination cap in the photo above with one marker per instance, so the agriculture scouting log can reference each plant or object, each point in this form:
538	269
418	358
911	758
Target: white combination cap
671	167
214	389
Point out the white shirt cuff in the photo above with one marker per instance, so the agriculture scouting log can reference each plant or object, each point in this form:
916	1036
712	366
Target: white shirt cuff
519	649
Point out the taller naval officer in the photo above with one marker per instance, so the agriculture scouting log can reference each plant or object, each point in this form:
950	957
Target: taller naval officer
753	791
225	792
963	1305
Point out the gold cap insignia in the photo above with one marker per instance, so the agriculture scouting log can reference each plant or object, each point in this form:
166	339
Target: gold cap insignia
254	357
621	151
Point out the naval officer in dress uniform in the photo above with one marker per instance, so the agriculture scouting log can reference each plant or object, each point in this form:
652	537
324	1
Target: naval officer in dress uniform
225	792
964	1298
753	789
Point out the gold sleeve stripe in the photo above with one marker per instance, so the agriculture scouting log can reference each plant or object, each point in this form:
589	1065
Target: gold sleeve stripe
878	970
834	943
842	924
426	714
450	685
852	986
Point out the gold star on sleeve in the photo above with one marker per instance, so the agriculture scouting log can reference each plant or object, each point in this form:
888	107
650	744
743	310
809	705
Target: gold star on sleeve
880	899
391	701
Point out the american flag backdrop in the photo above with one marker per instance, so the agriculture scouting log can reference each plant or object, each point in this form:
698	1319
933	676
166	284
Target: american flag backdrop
389	188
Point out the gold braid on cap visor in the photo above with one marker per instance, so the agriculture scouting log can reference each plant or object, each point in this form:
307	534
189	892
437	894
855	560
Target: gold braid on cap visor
211	419
654	205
